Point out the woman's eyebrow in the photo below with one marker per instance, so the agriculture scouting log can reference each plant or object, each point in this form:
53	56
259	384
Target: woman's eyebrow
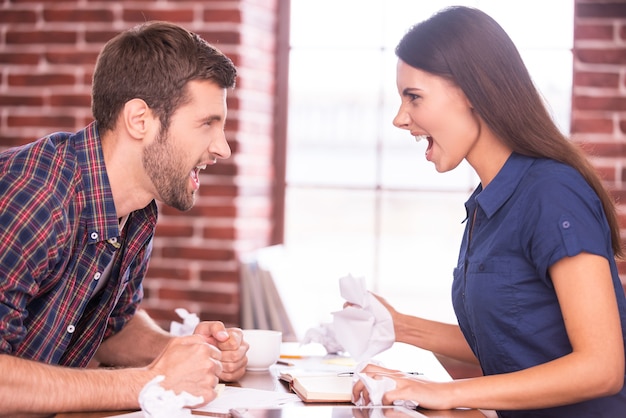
410	90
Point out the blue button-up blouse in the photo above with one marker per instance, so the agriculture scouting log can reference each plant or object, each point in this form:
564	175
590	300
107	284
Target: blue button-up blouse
534	213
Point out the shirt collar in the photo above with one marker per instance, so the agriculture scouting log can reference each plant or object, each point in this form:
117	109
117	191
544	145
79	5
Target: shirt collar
101	220
503	185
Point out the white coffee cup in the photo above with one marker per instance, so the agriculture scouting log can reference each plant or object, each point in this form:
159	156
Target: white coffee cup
264	348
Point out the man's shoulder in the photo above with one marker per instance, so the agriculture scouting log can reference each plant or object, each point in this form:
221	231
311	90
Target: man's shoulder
40	173
45	153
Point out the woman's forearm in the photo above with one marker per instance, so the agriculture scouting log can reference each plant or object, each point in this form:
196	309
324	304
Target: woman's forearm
438	337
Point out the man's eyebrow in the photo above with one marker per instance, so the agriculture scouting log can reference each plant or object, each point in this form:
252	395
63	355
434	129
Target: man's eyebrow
212	118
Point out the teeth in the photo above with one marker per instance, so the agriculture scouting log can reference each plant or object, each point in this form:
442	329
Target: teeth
201	167
418	138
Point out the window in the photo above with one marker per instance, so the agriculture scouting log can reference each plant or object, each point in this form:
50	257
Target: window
360	198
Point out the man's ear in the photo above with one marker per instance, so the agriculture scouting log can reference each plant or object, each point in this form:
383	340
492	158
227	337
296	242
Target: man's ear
137	118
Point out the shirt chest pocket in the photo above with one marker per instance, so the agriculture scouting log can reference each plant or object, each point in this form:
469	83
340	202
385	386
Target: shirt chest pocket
487	283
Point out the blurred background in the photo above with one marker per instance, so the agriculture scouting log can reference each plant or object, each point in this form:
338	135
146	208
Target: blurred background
317	168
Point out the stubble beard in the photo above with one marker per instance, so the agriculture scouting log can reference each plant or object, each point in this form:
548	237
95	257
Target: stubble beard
163	165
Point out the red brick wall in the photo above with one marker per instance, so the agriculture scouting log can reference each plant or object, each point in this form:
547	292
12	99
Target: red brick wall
599	93
47	53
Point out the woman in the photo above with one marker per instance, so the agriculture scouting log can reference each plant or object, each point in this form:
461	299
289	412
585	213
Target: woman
536	290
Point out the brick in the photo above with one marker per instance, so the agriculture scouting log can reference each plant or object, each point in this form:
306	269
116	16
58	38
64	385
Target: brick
613	103
596	79
218	190
219	233
72	57
18	16
53	122
611	10
34	1
622	126
222	15
618	195
592	125
196	253
42	37
180	15
9	141
227	211
15	100
226	277
100	36
606	173
70	100
34	80
216	313
605	149
593	31
78	15
233	103
195	295
165	229
616	56
19	58
222	168
172	273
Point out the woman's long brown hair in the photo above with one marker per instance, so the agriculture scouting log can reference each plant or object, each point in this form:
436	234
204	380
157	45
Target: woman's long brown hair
468	47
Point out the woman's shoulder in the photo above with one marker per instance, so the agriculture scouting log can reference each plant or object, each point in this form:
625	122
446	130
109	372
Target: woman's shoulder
547	173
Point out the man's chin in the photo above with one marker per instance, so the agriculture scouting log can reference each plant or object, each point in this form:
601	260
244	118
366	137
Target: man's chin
182	205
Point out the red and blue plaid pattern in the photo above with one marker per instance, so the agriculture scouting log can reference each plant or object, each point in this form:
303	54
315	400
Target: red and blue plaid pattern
58	231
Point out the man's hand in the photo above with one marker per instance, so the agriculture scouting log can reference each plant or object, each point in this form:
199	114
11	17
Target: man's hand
189	364
232	346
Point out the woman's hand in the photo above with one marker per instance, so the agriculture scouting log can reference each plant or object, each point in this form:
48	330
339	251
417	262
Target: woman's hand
427	394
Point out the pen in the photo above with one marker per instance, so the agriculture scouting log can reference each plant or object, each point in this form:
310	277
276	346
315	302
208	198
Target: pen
383	374
284	363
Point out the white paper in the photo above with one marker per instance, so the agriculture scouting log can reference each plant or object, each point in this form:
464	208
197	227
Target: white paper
324	335
189	324
364	330
376	388
156	402
236	397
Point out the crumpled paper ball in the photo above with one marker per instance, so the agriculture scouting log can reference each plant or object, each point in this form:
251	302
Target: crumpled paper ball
189	324
365	328
156	402
324	335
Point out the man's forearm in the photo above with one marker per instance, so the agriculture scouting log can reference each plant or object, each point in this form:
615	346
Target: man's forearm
31	387
138	344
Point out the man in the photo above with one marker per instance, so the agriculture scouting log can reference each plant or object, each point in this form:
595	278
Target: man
77	218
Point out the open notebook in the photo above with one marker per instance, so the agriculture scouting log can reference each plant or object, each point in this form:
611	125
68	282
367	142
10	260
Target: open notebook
319	387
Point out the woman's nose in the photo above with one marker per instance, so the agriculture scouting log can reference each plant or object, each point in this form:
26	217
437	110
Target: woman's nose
401	120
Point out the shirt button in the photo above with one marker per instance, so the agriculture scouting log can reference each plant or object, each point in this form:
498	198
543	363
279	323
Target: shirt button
94	235
97	276
71	329
565	224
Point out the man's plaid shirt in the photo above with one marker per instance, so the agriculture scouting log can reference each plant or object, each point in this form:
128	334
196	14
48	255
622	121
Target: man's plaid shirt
58	232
